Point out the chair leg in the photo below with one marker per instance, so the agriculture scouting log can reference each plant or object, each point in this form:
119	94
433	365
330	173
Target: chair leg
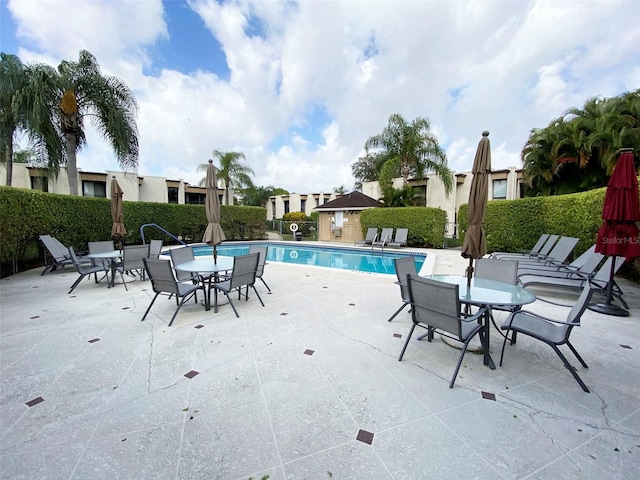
182	299
75	284
398	311
570	368
483	341
149	307
575	352
231	303
265	283
257	294
407	342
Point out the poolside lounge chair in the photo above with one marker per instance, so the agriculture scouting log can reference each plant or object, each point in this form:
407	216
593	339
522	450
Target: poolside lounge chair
585	265
599	281
558	254
551	331
543	251
372	235
400	239
534	250
85	269
163	281
58	255
436	306
385	238
404	266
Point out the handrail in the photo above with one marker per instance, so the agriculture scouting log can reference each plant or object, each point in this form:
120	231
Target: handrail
162	230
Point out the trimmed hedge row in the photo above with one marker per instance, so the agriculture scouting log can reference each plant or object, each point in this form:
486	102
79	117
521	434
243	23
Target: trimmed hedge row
26	214
512	225
426	225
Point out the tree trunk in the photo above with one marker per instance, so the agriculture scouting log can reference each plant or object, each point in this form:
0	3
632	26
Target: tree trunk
9	158
72	171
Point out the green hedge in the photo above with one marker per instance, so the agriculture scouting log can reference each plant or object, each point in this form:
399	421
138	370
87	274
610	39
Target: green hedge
513	225
78	220
426	225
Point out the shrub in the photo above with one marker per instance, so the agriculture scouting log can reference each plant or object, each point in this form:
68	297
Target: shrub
426	225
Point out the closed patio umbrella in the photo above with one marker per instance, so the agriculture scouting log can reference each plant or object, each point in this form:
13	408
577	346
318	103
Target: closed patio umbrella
117	230
618	235
213	235
475	245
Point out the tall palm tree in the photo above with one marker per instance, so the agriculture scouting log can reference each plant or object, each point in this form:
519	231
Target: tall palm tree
409	149
232	172
84	92
26	93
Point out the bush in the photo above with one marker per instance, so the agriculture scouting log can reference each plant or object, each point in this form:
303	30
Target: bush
26	214
426	225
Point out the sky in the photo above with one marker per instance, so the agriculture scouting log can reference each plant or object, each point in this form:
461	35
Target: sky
299	86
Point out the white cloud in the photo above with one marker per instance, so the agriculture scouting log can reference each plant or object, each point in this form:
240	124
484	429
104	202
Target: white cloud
468	66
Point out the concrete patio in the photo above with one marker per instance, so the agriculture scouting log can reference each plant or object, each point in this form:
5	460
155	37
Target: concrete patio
308	387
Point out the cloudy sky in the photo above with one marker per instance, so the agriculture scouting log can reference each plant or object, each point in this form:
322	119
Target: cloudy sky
299	86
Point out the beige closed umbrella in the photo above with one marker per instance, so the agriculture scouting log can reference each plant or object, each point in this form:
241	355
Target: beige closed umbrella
117	212
475	245
213	235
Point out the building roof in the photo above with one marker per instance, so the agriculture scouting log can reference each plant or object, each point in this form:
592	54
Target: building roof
351	201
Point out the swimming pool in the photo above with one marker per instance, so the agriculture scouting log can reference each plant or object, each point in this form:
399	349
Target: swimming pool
319	256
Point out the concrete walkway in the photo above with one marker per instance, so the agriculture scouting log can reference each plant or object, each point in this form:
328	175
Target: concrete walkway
308	387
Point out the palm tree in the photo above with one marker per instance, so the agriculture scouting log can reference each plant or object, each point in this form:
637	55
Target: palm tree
231	172
409	149
26	93
107	100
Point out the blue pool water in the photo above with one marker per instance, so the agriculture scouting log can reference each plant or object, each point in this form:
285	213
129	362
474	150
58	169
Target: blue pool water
320	256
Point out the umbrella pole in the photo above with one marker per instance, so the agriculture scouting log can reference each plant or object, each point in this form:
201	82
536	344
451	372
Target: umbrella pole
215	255
469	272
607	307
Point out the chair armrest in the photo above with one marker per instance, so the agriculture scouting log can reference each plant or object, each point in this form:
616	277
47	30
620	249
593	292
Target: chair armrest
540	317
473	317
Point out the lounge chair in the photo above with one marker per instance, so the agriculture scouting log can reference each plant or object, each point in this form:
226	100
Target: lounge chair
551	331
58	255
372	235
543	251
585	265
400	239
558	254
577	282
534	250
385	238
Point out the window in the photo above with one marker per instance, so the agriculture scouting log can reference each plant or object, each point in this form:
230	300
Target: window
94	189
172	194
40	183
195	198
499	189
303	206
286	206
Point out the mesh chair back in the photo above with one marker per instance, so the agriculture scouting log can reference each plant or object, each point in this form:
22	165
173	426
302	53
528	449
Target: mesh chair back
56	249
580	306
385	236
262	252
155	247
161	275
404	266
372	233
132	256
435	304
548	245
101	247
541	241
563	248
401	236
244	270
499	270
181	255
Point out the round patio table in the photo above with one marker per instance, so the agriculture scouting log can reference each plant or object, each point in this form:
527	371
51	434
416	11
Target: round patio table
209	272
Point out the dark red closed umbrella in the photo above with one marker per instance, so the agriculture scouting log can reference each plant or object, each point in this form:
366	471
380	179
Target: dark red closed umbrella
618	235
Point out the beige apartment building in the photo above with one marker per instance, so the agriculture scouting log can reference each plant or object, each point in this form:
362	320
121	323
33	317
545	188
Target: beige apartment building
136	188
